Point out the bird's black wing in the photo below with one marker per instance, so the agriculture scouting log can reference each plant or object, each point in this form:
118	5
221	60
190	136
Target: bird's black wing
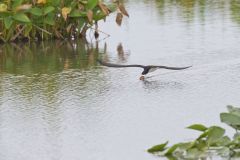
172	68
118	65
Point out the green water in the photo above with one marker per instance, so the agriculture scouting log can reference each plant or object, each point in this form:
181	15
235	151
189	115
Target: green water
47	57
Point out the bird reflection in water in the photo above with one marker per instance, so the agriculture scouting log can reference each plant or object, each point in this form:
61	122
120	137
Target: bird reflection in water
159	84
153	85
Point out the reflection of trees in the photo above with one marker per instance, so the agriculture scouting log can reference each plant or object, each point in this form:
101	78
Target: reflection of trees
188	10
40	81
46	57
49	69
122	55
184	7
45	69
235	10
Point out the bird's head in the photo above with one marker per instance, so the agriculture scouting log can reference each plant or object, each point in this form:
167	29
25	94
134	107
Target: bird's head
142	77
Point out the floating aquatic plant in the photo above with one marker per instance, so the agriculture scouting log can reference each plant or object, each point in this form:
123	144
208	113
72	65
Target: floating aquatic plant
211	141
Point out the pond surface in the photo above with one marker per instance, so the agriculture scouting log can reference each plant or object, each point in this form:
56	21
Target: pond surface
57	103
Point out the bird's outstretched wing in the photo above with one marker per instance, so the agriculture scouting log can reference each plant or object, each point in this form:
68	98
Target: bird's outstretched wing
118	65
172	68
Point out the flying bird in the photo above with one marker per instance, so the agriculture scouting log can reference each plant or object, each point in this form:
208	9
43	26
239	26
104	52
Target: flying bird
146	68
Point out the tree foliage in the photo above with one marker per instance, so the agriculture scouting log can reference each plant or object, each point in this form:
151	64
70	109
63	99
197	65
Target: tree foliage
47	19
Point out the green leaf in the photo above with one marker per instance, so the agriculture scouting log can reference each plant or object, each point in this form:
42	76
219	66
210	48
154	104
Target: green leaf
54	2
50	19
201	144
36	11
48	9
204	134
91	4
194	153
27	30
198	127
215	133
4	14
10	34
73	4
171	149
16	3
231	119
158	148
186	145
224	141
99	16
236	136
21	17
81	22
233	110
224	151
8	22
77	13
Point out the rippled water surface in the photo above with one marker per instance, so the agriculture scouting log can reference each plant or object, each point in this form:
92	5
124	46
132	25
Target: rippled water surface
56	102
